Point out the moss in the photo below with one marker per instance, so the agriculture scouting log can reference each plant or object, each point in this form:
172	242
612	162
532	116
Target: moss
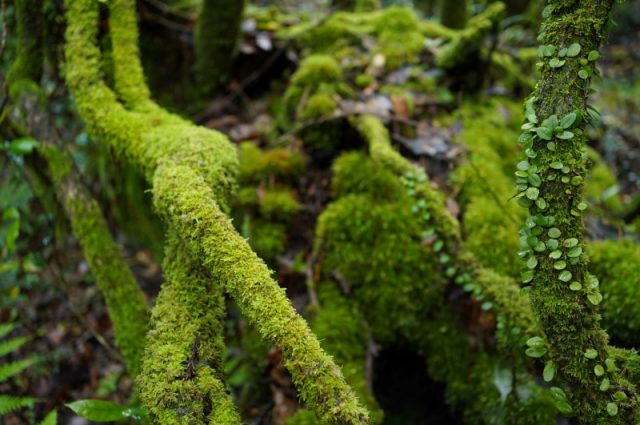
216	34
278	163
469	40
374	245
601	186
569	317
266	238
181	374
186	201
279	204
192	174
319	105
399	36
355	173
363	80
124	298
617	264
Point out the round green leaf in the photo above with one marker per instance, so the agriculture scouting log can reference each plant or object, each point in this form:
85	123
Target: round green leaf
591	353
570	242
574	50
612	409
565	276
532	193
604	385
554	232
560	265
575	286
549	371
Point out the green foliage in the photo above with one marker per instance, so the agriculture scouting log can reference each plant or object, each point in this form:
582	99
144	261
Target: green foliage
105	411
8	370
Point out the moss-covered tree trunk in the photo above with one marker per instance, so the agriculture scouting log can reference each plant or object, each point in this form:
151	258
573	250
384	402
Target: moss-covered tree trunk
454	13
565	297
217	32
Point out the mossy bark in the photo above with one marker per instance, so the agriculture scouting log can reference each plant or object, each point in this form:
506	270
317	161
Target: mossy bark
454	13
125	300
192	172
563	294
29	27
216	35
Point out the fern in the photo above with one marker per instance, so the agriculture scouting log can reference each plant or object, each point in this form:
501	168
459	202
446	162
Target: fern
9	403
11	345
51	418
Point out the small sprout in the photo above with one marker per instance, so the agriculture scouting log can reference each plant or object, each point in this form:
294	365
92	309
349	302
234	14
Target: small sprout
612	409
598	370
560	265
591	353
554	232
604	385
574	50
565	276
549	371
575	286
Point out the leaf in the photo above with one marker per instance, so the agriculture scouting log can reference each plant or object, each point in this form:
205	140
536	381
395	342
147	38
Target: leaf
532	262
595	298
574	50
590	353
99	410
593	55
23	145
565	276
544	133
555	254
535	180
612	409
535	341
536	352
549	371
51	418
565	135
560	265
556	165
604	385
532	193
584	73
503	380
575	286
554	232
568	120
574	252
10	403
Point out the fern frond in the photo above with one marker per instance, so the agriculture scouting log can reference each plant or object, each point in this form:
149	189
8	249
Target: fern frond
5	328
11	369
9	403
11	345
51	418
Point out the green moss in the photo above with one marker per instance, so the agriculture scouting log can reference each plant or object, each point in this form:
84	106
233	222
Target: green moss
469	40
192	173
355	173
601	187
124	298
186	201
567	314
181	374
266	238
318	106
279	204
278	163
617	264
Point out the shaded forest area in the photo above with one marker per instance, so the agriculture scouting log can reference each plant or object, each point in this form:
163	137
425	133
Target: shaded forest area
307	212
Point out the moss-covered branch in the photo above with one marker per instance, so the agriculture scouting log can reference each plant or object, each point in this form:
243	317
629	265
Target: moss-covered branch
564	295
192	173
29	24
182	378
124	298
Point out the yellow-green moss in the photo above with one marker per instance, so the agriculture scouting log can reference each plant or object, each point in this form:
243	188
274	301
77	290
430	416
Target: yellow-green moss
181	378
617	265
124	298
192	174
